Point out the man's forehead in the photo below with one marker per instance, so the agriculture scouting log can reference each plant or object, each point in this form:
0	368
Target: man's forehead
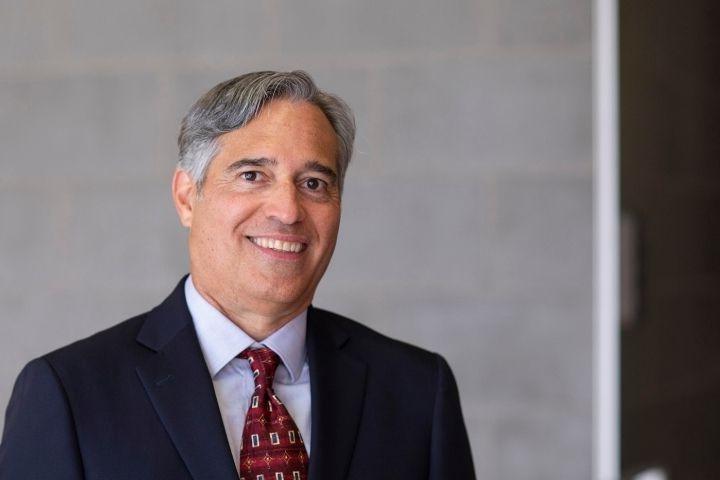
285	131
285	116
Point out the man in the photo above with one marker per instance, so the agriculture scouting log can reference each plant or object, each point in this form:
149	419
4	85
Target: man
236	374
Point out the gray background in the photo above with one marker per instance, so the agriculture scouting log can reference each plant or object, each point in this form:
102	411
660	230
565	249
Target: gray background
467	222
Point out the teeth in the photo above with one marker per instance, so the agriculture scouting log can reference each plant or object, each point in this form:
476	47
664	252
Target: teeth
278	245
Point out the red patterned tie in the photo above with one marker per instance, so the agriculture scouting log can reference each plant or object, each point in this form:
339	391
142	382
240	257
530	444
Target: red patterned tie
272	448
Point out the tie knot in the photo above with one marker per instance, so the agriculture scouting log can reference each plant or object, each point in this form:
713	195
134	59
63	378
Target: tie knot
263	363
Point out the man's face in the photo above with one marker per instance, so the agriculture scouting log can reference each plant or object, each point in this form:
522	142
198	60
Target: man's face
264	226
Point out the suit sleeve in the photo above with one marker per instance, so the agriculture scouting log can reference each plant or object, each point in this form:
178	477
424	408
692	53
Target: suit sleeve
39	439
450	455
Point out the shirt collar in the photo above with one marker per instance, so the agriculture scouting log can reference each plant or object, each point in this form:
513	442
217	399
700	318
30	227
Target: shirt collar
221	340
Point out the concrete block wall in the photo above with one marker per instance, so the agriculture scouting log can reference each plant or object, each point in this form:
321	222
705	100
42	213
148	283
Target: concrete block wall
467	215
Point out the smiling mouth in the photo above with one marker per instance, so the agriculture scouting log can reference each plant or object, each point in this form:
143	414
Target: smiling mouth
278	245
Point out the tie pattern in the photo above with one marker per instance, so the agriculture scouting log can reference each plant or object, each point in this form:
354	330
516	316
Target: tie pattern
272	448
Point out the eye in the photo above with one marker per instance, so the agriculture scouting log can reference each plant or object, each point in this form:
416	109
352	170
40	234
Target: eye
250	176
315	184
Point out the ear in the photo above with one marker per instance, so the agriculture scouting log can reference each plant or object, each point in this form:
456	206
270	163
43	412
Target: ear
184	196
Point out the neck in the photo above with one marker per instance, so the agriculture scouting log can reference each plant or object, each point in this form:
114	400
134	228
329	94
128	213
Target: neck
259	322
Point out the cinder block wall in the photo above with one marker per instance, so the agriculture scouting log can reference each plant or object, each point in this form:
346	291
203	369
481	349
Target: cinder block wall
468	207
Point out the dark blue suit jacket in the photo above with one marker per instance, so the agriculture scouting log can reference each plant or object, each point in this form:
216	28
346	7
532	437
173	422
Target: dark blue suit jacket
136	402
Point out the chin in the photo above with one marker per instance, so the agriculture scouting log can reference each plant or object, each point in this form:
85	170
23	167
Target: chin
289	300
290	296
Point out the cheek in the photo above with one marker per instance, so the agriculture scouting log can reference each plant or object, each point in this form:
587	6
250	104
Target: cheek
212	226
227	216
327	219
329	227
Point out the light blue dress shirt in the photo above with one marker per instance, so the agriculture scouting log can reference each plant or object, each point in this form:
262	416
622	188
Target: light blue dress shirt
221	341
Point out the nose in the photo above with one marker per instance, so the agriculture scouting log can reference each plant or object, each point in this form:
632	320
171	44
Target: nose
284	205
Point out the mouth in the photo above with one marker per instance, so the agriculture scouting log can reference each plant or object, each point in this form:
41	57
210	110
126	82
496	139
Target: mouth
278	245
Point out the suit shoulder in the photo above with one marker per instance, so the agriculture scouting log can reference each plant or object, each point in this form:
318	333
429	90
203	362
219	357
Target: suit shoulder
112	342
377	345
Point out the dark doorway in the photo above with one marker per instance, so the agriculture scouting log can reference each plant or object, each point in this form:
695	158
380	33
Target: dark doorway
670	191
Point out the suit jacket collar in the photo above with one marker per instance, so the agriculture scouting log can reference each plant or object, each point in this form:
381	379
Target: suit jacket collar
179	386
337	383
180	389
166	320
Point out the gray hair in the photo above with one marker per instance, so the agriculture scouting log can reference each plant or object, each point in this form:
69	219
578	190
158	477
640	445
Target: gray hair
234	103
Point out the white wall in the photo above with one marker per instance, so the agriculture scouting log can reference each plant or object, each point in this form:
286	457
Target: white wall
468	211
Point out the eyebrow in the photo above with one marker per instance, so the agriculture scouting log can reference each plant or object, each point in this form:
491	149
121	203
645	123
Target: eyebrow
250	162
315	166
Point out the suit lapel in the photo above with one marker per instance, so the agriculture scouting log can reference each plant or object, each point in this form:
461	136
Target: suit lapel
179	386
338	390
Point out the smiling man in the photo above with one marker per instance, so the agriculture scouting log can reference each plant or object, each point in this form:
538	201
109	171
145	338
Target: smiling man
236	374
264	224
